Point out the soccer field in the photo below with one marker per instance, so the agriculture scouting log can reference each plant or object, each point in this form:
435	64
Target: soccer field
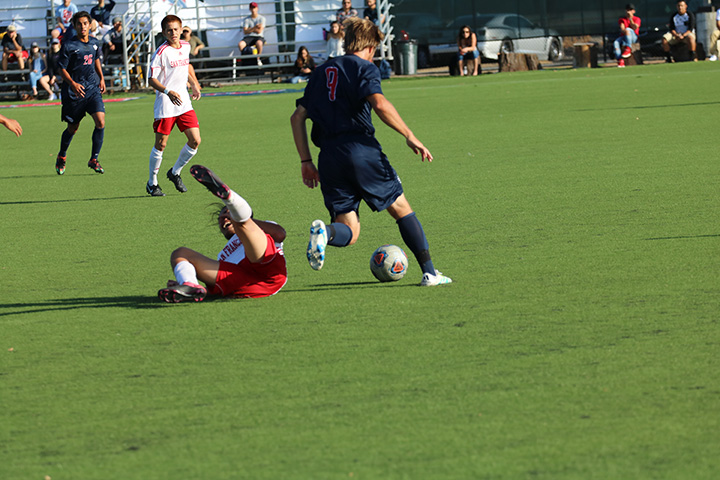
575	210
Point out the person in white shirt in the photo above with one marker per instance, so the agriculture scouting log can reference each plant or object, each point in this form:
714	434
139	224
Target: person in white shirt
170	70
335	39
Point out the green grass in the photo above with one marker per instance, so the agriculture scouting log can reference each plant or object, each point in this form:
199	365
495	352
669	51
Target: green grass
576	212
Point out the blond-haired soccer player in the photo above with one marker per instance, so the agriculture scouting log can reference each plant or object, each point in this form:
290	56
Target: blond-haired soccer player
170	70
339	99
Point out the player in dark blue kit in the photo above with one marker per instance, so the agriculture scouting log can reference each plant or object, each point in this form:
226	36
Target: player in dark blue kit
82	89
339	99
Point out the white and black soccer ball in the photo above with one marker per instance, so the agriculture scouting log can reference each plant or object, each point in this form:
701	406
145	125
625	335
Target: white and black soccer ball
389	263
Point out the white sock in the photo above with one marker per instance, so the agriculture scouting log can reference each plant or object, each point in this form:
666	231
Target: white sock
155	161
186	154
185	272
239	208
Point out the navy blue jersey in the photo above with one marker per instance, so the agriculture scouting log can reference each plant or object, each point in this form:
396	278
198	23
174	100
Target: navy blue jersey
335	98
78	59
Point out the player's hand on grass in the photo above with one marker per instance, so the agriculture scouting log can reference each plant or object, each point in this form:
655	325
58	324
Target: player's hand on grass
310	175
417	147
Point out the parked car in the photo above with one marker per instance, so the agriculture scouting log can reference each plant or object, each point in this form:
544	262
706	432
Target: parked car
511	33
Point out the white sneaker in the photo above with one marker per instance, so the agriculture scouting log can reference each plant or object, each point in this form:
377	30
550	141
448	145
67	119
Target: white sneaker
430	280
52	97
713	58
260	64
317	244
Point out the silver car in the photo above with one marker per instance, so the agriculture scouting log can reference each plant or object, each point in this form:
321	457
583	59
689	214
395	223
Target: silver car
511	33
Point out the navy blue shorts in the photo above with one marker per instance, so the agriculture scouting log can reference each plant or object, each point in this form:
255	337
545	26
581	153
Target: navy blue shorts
355	169
74	109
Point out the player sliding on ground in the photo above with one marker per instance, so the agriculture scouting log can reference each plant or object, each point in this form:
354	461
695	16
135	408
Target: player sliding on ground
82	89
338	99
252	264
170	71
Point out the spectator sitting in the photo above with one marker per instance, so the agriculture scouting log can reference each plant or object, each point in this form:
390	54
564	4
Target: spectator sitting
113	42
304	66
345	12
101	13
63	16
335	41
253	28
195	43
38	67
13	50
629	31
714	39
52	74
682	29
371	13
467	49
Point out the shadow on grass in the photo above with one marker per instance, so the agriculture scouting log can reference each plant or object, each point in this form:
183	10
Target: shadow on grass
30	202
76	303
643	107
347	286
682	237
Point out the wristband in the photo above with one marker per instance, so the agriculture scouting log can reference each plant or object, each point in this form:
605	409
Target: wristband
166	91
305	161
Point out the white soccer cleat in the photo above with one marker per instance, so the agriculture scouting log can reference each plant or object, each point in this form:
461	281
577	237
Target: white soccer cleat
317	244
430	280
713	58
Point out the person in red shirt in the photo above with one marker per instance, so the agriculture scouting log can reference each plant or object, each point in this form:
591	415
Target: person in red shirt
629	31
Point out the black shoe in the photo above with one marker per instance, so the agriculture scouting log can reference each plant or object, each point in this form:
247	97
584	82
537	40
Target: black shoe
177	181
154	190
205	176
187	292
95	165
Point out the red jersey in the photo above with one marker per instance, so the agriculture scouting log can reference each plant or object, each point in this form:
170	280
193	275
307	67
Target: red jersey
625	22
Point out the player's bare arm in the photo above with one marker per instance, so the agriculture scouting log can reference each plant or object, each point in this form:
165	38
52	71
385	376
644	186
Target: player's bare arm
194	84
389	115
11	125
173	95
277	232
310	175
98	69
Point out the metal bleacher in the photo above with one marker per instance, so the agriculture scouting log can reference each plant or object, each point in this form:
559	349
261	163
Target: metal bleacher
218	23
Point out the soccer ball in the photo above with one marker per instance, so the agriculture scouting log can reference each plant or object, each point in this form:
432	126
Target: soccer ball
388	263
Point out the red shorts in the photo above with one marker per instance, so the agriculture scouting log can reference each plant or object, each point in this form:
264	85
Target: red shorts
165	125
13	58
252	280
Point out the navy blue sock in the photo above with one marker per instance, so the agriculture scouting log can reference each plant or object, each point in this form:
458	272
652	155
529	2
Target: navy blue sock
339	234
414	237
97	142
65	140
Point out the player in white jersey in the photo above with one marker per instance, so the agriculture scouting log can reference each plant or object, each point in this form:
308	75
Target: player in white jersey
170	70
